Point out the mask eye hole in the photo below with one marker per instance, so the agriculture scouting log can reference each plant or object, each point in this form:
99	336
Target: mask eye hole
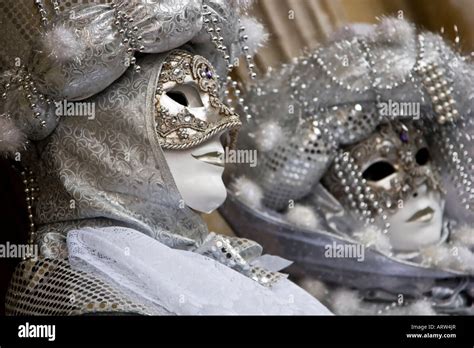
178	97
186	95
422	156
378	171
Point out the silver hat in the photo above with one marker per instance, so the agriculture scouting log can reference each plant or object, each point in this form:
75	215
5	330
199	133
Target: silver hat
54	51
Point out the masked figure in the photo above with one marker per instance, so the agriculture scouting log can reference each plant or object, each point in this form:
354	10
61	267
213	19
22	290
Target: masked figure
398	172
365	178
116	178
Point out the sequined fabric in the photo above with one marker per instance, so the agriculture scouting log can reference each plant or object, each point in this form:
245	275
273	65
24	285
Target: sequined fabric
238	254
51	287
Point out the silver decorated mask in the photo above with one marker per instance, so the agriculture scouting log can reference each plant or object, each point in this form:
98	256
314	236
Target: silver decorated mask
397	179
189	110
190	120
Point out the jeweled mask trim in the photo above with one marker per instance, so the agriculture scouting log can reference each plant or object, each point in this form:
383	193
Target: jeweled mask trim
183	130
394	143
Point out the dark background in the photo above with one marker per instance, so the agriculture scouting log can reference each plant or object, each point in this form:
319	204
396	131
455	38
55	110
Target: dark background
13	221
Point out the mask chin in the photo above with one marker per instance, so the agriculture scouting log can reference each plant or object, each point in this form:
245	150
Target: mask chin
197	173
418	224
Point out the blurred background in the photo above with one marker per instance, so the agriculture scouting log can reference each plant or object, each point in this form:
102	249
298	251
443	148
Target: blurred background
296	24
292	25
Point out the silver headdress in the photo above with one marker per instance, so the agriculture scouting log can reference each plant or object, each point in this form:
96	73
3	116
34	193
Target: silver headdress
334	95
61	51
321	118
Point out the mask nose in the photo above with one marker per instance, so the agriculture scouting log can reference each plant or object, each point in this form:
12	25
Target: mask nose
200	113
421	189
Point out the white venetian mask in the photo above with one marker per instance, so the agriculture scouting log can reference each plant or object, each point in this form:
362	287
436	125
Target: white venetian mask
395	165
190	121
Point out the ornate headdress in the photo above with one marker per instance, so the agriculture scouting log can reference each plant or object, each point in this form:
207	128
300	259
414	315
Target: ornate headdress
62	51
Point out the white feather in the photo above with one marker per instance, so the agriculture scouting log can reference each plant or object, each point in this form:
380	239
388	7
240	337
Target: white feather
315	287
256	33
268	135
247	191
303	216
371	236
463	259
345	302
63	44
420	307
436	255
394	30
463	235
456	257
12	139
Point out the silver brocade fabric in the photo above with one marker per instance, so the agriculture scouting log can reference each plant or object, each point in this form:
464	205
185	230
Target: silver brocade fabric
163	25
110	170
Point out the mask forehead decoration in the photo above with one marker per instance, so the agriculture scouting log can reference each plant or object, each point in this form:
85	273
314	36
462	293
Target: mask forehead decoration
189	110
389	166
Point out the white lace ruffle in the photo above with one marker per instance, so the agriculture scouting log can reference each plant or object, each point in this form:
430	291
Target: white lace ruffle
183	282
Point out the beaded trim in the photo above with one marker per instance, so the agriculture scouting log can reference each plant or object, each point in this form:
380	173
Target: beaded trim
129	32
21	77
31	190
432	78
